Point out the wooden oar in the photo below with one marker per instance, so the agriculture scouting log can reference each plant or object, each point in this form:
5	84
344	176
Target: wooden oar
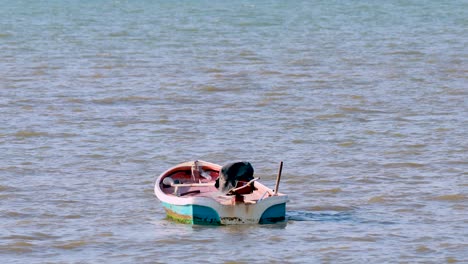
278	178
248	184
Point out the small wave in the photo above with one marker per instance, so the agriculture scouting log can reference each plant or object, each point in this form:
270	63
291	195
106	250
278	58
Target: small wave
105	100
266	101
377	199
302	62
43	236
105	234
298	141
451	197
403	165
334	190
357	97
105	67
405	52
7	196
74	216
269	72
352	109
75	100
119	34
424	249
128	99
457	92
38	73
93	156
5	35
277	93
370	132
298	75
213	70
336	208
22	237
346	144
65	135
334	248
29	134
417	146
363	239
15	214
97	76
34	236
210	88
330	116
5	188
318	217
360	110
72	244
458	162
19	247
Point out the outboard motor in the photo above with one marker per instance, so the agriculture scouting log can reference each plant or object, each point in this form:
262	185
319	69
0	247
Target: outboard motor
232	173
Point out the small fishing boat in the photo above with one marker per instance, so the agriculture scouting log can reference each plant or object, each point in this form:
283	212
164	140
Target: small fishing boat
200	192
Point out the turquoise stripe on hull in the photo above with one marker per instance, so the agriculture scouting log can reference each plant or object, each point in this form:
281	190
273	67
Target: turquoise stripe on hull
197	214
274	214
192	214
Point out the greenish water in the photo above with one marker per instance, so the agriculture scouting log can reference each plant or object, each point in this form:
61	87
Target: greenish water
364	101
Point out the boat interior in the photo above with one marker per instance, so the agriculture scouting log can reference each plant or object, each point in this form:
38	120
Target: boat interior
199	181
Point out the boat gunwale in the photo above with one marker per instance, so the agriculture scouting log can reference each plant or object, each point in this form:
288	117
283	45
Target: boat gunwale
202	200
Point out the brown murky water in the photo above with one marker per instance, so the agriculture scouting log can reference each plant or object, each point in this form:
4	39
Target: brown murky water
365	102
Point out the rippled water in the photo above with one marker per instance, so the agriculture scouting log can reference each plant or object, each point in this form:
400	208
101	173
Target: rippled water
365	101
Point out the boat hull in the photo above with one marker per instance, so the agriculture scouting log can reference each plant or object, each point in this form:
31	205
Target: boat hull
203	204
234	214
192	214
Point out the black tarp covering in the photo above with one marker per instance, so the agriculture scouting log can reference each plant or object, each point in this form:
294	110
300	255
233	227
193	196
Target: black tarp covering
231	173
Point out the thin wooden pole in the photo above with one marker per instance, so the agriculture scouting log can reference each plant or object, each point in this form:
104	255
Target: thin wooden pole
278	178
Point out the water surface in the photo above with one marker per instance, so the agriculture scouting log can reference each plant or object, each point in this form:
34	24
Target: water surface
364	101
